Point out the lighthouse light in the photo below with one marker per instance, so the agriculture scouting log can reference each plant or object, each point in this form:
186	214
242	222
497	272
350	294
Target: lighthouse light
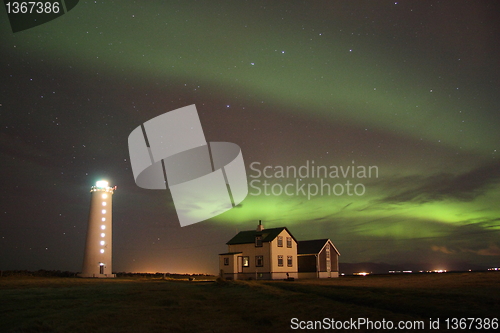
101	184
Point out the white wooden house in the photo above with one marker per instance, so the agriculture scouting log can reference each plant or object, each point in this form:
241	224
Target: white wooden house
273	254
318	258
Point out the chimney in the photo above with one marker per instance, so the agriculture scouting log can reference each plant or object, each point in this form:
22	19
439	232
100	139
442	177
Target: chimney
260	227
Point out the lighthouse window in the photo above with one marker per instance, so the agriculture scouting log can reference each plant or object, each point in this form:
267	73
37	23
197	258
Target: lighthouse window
102	242
104	204
103	219
104	196
103	234
104	211
103	227
102	250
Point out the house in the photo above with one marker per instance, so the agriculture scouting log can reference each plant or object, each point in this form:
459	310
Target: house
317	258
274	254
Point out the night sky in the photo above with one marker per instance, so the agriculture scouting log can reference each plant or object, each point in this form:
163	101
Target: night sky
411	87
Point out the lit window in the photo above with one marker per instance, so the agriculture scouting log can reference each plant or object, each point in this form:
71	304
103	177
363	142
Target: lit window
104	211
103	219
104	204
280	241
246	261
104	196
102	242
102	250
103	234
280	261
103	227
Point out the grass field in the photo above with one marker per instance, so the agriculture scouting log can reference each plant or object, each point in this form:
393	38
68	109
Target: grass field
29	304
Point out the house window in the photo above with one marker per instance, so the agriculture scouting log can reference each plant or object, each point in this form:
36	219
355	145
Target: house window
258	241
226	261
246	261
280	261
259	261
280	241
289	261
289	242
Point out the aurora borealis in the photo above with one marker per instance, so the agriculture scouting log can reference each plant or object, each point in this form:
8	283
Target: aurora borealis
410	87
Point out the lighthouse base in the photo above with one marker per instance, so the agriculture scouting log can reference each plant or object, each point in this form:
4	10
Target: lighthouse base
100	276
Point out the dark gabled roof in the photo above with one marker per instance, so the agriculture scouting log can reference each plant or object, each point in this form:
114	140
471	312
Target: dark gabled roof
245	237
229	253
313	246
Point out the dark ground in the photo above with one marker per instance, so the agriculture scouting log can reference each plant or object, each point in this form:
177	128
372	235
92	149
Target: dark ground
54	304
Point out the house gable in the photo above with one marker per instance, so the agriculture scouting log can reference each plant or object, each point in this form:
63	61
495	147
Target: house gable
314	246
268	235
316	256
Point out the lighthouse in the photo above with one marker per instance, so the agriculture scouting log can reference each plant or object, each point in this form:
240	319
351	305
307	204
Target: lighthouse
98	245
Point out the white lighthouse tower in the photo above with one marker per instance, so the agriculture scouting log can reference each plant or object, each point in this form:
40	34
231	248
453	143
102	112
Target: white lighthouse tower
98	246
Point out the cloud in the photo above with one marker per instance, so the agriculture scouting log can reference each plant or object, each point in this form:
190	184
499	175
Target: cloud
462	187
492	250
442	249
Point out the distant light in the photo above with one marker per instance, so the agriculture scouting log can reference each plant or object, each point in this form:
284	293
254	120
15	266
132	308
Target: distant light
104	195
102	250
361	273
101	183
